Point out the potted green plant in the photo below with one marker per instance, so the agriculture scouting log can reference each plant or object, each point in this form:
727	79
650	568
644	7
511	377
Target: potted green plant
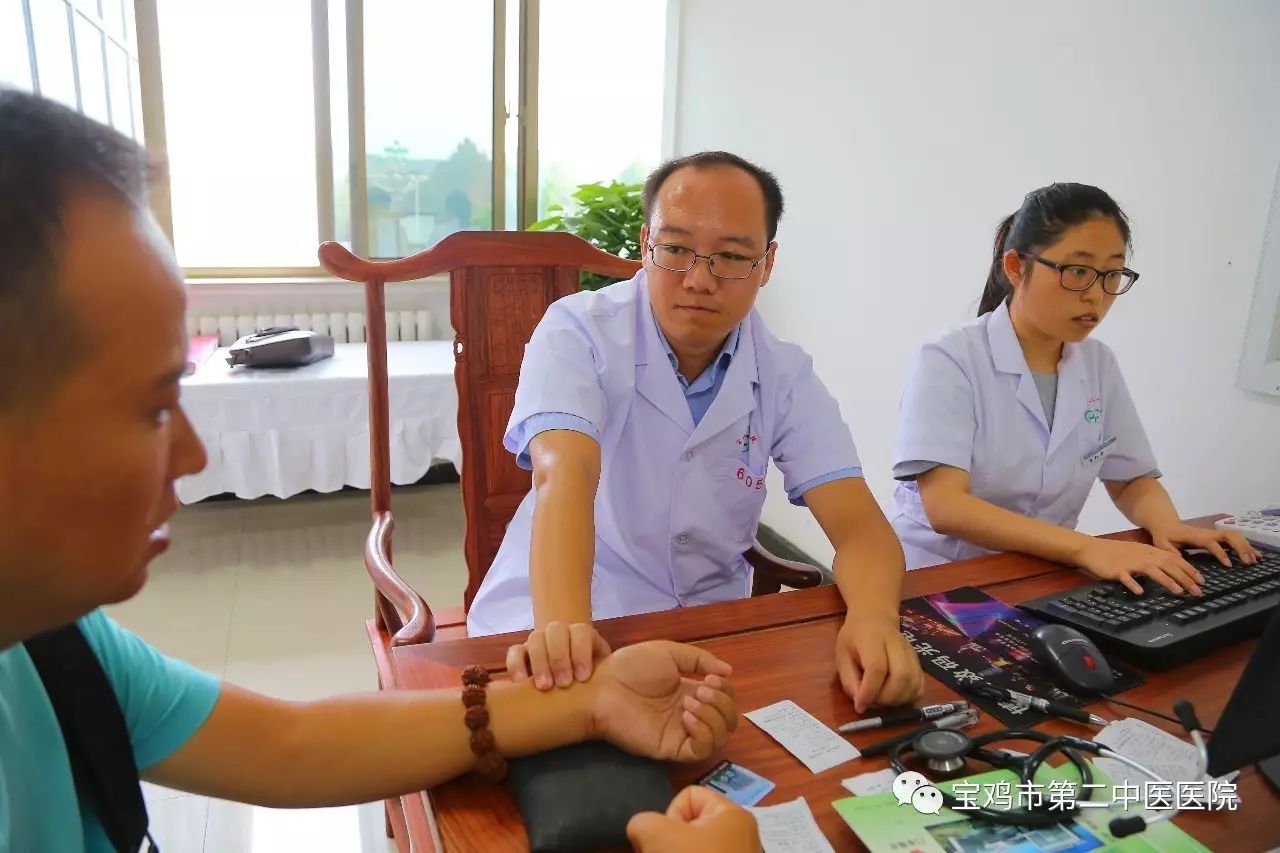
607	216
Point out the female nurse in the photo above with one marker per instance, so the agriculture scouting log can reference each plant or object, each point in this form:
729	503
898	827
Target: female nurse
1006	422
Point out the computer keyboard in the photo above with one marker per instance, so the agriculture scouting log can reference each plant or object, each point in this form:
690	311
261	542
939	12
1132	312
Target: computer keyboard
1159	629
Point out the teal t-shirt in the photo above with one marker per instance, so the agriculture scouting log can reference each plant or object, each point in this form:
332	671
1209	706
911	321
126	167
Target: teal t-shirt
164	702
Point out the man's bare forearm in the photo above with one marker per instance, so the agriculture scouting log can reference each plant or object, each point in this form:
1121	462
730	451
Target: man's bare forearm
868	565
869	569
360	748
562	553
562	541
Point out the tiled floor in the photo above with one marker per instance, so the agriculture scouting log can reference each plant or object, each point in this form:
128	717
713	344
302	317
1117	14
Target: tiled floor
272	595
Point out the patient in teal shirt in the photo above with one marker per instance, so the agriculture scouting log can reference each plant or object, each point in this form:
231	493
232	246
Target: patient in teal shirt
164	702
93	437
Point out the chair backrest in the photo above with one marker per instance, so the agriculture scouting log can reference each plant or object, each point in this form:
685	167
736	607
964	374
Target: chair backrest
501	284
497	297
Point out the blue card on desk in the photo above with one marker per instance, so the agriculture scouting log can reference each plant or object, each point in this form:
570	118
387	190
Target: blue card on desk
737	783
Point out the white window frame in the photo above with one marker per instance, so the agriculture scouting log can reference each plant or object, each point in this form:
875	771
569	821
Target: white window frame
525	114
520	106
88	10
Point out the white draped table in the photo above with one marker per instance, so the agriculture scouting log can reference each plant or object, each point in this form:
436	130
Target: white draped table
281	432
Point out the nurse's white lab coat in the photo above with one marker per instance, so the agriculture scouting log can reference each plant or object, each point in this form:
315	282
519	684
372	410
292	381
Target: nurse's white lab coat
677	506
971	402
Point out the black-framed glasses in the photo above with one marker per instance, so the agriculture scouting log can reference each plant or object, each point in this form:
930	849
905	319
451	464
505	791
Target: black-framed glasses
1079	277
728	265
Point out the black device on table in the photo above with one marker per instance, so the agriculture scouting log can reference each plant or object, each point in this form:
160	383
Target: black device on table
1072	658
1246	732
1159	629
280	346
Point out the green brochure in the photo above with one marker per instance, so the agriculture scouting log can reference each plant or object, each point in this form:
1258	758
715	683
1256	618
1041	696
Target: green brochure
884	825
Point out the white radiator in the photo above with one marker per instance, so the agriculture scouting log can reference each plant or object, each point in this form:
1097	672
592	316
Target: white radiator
233	310
345	327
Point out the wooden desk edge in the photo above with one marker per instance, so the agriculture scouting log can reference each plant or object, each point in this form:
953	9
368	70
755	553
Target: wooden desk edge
439	665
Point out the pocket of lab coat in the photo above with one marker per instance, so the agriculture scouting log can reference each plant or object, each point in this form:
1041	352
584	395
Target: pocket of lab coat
741	492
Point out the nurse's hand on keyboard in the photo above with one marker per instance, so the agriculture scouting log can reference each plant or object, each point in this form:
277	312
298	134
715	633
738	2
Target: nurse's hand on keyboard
1211	539
1116	560
557	655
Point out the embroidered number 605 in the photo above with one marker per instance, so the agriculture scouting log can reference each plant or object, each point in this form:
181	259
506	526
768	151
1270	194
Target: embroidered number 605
749	480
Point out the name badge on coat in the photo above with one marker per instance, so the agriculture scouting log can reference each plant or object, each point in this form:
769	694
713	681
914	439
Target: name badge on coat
1098	452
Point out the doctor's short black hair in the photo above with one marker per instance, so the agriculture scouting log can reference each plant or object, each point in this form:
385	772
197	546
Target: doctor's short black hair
47	154
706	159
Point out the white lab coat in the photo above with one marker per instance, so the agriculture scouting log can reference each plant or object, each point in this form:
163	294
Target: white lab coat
676	506
971	402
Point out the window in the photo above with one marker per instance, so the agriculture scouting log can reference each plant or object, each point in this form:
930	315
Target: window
605	60
15	59
81	53
240	132
56	75
428	75
384	124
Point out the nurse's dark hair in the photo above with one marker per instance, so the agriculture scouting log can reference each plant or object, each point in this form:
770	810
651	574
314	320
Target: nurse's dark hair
48	153
1042	219
769	185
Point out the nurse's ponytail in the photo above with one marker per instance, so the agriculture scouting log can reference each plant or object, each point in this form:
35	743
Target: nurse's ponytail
1045	214
998	288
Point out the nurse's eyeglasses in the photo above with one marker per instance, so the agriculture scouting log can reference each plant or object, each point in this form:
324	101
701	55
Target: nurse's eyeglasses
729	265
1079	278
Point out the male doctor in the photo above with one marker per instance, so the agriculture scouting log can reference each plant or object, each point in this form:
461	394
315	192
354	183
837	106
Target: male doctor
648	412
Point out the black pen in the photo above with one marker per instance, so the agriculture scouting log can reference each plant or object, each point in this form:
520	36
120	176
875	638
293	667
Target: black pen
959	720
1057	709
928	712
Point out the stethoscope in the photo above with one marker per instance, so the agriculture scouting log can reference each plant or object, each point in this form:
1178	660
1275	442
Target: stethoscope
945	751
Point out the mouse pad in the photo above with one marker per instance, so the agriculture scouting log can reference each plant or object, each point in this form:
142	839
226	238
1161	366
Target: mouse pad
965	637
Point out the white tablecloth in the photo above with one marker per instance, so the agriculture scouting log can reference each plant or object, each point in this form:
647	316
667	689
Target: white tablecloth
280	432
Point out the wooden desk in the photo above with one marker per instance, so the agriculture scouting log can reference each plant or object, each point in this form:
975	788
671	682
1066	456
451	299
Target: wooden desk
782	646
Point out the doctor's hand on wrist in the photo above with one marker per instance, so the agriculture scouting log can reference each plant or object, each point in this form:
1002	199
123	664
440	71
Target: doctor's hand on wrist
557	655
876	664
1116	560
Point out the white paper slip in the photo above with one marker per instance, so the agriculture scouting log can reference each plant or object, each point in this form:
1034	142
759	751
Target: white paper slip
866	784
790	828
1169	757
803	735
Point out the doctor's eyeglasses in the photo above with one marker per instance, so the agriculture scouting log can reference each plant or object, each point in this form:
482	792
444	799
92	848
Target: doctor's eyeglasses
728	265
1079	278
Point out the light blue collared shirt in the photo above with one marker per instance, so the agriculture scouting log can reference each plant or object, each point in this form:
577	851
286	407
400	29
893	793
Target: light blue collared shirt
699	394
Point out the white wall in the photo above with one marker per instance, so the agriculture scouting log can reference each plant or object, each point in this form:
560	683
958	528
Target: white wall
903	130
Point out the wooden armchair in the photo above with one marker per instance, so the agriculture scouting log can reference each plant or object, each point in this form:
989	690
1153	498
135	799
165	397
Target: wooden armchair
501	284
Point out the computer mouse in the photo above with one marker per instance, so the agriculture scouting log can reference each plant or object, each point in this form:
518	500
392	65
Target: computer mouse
1072	659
